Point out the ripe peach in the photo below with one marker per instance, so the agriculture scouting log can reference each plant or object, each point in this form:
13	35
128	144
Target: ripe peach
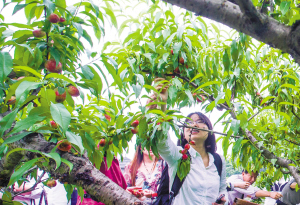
64	145
53	18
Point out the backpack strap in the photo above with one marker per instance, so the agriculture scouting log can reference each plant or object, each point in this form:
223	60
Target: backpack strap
177	184
218	163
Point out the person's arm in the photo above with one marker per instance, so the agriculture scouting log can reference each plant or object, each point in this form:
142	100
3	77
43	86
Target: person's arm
242	185
251	191
166	148
273	195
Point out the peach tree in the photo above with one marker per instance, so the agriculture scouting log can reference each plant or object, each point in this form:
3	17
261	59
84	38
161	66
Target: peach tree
53	113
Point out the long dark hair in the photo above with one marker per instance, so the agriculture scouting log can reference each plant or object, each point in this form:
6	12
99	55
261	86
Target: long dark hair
136	163
210	142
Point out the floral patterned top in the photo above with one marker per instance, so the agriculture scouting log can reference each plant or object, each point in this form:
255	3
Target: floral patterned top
145	180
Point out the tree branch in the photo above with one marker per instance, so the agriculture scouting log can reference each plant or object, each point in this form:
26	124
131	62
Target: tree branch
83	174
280	161
270	30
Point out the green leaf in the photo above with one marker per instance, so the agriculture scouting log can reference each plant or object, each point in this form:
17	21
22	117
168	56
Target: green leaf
226	61
189	94
50	5
284	7
237	146
151	45
177	47
208	84
172	91
18	174
54	156
137	90
7	121
28	69
234	51
112	16
67	163
15	138
24	88
18	7
143	126
112	71
197	76
235	126
56	75
290	86
170	39
266	99
109	158
6	64
87	37
273	161
79	29
75	139
56	55
26	123
88	74
60	115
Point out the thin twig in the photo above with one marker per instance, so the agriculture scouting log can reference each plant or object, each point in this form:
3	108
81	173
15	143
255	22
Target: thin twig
212	131
253	116
296	143
294	112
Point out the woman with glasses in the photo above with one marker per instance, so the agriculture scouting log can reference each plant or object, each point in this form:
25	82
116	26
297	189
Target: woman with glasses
203	184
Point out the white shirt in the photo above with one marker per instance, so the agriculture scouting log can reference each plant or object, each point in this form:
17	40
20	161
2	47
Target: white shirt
202	184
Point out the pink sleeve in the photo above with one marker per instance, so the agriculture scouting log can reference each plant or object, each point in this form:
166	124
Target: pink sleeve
127	175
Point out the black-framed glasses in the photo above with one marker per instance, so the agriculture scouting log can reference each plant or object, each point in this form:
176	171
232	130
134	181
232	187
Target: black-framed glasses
198	122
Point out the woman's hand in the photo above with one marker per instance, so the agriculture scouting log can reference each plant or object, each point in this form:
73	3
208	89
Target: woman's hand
137	191
275	195
163	95
148	193
163	87
242	185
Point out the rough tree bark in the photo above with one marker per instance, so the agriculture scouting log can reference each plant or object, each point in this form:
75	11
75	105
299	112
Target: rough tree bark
84	174
244	17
